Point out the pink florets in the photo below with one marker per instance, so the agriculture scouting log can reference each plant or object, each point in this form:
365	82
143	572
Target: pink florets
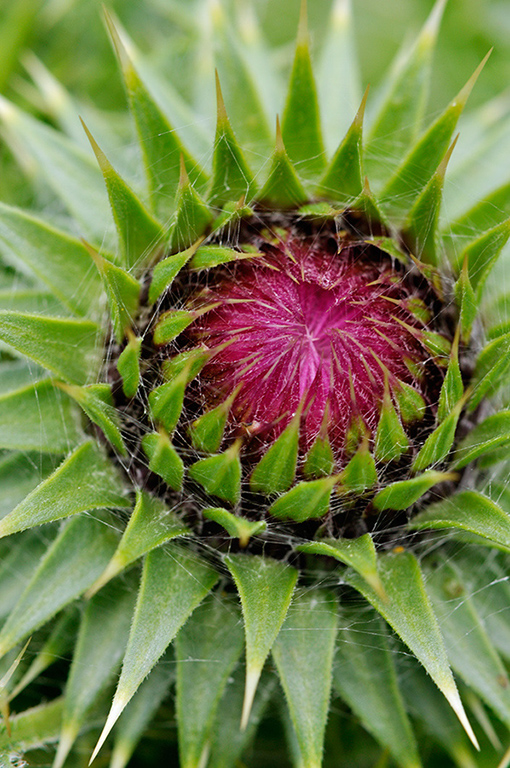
304	325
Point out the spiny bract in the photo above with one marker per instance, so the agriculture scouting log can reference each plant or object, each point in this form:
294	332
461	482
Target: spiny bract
294	391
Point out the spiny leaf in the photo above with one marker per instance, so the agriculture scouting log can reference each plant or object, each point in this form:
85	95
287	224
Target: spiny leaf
207	431
60	261
360	473
338	82
173	584
403	493
470	511
231	178
410	403
438	444
72	175
491	368
390	439
420	227
265	587
84	481
150	525
343	179
207	649
39	418
122	290
359	553
236	526
365	677
160	145
452	388
101	643
401	112
275	471
311	621
467	301
220	475
164	460
192	215
408	611
170	324
128	365
208	256
97	402
166	270
404	186
490	435
83	548
138	713
33	728
301	129
283	188
65	347
139	233
320	460
165	402
485	214
482	253
472	654
308	499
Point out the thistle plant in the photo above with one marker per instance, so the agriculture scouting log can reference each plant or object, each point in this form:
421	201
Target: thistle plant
254	424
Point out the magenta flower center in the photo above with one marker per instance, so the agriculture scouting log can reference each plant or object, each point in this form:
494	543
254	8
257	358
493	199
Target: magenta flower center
301	325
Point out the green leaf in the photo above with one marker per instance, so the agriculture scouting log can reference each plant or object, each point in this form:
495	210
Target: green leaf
490	435
82	549
283	188
170	324
208	256
467	301
338	80
405	493
69	171
236	526
265	587
192	215
39	418
207	431
173	584
452	388
491	370
128	365
150	525
166	401
231	177
469	511
365	677
139	233
33	728
164	460
19	474
122	290
139	712
320	461
400	114
166	270
19	374
410	403
301	128
101	643
404	186
160	145
96	401
311	623
359	553
421	225
220	475
207	649
471	652
391	440
409	612
276	470
65	347
61	262
360	473
438	444
308	499
485	214
482	253
86	480
343	179
20	558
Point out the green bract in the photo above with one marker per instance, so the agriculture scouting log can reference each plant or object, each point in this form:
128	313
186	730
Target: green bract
179	571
